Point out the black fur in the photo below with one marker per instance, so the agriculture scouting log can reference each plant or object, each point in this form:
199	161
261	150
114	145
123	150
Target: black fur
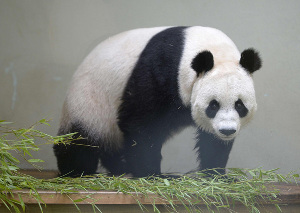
203	62
250	60
81	157
212	152
151	108
212	109
241	108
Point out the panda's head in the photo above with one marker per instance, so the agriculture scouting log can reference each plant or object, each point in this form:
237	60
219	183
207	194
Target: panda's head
223	96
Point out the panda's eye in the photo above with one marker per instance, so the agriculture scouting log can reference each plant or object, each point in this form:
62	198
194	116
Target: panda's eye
238	105
214	105
212	109
241	108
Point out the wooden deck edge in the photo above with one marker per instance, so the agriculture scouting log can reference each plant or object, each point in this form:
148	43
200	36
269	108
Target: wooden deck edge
289	194
86	197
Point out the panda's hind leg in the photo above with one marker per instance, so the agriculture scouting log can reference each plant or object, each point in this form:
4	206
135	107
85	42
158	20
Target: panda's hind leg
80	156
75	160
113	161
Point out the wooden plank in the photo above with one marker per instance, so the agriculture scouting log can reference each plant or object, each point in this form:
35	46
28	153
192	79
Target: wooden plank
289	194
87	197
131	208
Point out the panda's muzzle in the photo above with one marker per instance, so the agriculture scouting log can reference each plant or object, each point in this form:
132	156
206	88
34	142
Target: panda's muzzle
227	132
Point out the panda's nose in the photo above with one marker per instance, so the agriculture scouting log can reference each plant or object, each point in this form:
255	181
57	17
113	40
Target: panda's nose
227	132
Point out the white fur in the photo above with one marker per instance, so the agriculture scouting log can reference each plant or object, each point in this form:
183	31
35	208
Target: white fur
95	92
198	39
226	83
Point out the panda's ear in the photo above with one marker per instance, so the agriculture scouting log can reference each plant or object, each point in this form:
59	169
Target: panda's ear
203	62
250	60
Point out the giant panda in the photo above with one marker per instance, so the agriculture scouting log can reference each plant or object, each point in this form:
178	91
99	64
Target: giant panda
138	88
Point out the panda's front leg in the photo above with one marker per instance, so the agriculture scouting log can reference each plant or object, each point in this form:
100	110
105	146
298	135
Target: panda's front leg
212	152
143	156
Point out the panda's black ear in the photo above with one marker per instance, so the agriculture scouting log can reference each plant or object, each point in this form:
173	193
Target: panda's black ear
203	62
250	60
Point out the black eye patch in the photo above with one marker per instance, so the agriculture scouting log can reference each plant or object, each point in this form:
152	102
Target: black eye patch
240	108
212	109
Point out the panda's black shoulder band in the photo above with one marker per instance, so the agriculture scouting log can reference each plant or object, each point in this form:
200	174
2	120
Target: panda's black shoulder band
203	62
250	60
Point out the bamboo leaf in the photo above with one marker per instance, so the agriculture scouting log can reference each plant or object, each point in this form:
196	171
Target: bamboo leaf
35	160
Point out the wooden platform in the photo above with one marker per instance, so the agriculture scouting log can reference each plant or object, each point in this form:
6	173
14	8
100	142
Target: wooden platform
108	201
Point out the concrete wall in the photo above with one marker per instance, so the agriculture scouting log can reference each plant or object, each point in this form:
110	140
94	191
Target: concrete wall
42	43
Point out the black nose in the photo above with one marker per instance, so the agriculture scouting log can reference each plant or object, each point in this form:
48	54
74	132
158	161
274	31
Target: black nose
227	132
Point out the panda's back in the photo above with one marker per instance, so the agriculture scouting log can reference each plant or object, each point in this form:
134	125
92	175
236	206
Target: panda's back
96	88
